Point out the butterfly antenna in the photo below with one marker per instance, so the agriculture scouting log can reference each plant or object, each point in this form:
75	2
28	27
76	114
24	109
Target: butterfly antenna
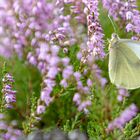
113	24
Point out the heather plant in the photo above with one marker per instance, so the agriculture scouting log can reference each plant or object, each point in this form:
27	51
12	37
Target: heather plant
53	68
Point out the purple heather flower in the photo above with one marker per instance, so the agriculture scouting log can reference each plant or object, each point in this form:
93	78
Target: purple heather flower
53	71
89	82
50	83
64	83
95	34
81	98
77	9
43	51
86	90
129	27
129	15
79	55
112	7
40	109
32	60
79	85
84	105
122	93
77	98
8	78
8	130
77	75
3	125
125	117
54	60
9	98
85	72
8	106
42	67
45	93
47	100
103	81
68	1
12	133
9	93
98	74
67	72
54	50
65	61
2	116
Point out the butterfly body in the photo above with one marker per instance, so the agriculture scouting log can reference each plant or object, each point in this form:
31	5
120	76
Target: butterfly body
124	62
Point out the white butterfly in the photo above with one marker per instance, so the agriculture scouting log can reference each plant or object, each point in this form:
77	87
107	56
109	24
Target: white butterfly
124	62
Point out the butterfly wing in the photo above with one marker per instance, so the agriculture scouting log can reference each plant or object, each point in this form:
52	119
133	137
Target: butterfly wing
133	45
124	64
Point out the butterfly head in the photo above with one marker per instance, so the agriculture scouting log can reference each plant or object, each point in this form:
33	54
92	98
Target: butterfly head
114	36
114	39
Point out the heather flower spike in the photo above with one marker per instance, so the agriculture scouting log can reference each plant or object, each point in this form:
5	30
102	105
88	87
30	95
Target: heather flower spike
124	118
122	93
9	94
95	43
